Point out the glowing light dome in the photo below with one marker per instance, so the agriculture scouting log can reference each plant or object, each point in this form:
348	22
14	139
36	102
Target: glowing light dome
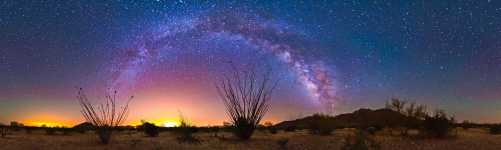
169	124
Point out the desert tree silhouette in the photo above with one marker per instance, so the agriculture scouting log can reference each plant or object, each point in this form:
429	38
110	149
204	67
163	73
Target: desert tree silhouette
185	131
246	95
149	129
106	116
396	105
3	130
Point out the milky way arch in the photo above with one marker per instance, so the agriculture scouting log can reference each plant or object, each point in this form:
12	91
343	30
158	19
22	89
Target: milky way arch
268	35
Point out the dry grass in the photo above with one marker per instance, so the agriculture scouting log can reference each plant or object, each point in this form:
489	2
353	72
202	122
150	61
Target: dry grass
477	139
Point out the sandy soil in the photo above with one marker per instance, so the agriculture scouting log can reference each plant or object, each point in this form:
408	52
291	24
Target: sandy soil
476	139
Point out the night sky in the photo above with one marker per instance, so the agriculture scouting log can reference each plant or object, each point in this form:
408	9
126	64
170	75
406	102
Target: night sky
169	54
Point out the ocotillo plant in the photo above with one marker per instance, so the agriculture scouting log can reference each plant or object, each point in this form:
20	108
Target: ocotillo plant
106	116
246	96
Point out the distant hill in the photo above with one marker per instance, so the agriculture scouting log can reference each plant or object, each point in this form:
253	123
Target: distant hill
85	126
359	118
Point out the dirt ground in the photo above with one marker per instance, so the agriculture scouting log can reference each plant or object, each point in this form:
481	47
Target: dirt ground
472	139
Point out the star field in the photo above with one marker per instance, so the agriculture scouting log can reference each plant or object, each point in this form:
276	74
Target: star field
329	55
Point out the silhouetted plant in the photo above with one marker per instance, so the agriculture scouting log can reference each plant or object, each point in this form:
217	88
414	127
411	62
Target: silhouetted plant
16	126
185	132
269	126
466	125
437	125
83	127
65	131
150	129
3	130
105	117
321	125
495	129
290	128
28	130
214	130
50	131
272	129
415	114
396	105
372	130
360	141
283	143
246	97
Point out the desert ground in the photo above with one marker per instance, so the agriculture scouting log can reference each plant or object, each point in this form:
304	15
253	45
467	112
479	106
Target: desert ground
478	139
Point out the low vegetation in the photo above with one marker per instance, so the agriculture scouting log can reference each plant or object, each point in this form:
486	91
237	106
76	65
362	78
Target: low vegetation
361	141
321	125
185	132
105	117
150	129
495	129
3	131
246	96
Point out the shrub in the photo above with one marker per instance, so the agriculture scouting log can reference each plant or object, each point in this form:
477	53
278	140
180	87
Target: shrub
50	131
437	125
269	126
3	131
290	128
105	117
466	125
283	143
104	133
150	129
80	130
321	125
372	130
495	129
16	126
246	96
28	130
272	129
361	141
185	132
66	131
214	130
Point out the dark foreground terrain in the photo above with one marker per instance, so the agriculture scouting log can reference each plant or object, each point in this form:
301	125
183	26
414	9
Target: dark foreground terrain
477	139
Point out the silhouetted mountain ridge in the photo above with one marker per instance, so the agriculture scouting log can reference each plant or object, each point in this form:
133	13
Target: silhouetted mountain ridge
359	118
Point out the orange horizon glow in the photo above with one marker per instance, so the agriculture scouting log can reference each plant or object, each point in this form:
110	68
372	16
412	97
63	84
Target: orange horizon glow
161	122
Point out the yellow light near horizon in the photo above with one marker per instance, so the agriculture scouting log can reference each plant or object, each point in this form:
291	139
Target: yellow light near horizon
163	122
46	124
170	124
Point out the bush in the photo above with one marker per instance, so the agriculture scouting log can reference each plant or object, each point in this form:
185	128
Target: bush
3	131
290	128
16	126
80	130
104	134
185	132
495	129
66	131
372	130
243	129
321	125
467	125
28	130
437	125
283	143
50	131
150	129
272	129
361	141
214	130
